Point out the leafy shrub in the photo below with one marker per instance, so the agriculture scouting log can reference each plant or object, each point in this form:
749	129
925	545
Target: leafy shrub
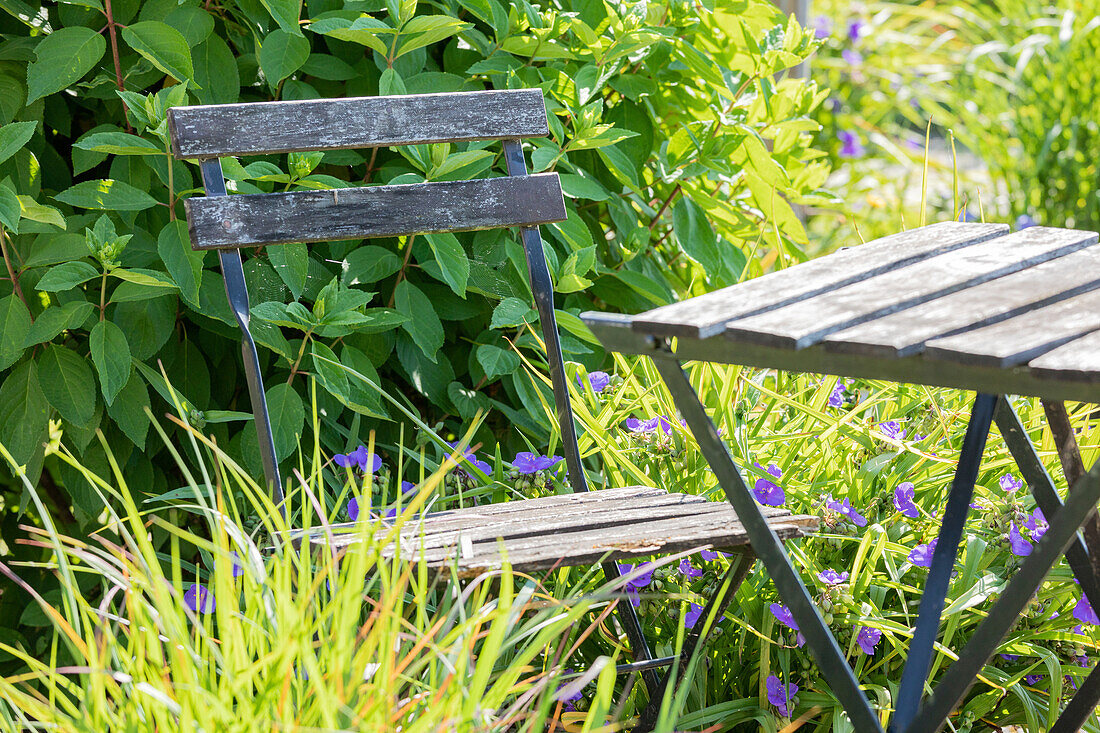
679	149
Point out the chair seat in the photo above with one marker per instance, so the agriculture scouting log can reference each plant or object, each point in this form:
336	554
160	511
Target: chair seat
567	530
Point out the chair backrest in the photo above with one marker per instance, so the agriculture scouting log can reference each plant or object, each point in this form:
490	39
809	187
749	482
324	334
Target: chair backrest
227	223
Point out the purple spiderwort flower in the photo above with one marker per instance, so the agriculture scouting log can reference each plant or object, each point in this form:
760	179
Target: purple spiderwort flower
784	616
359	458
867	638
1020	546
845	509
692	616
1082	661
636	584
836	399
635	425
855	30
768	492
353	509
977	505
1010	658
1009	483
469	455
903	500
238	567
921	555
1038	525
529	463
598	381
708	555
823	27
781	695
851	57
1085	613
892	429
407	486
850	144
828	576
567	702
688	570
965	215
1023	221
199	599
1034	679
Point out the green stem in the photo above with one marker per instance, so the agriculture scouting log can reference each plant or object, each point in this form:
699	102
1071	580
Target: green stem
301	354
103	297
11	270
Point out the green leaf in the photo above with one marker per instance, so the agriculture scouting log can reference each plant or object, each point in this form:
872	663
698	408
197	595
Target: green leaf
195	24
117	143
369	264
281	55
128	409
66	276
67	383
391	83
362	397
106	194
183	263
111	356
31	209
10	210
327	369
63	58
216	70
291	261
285	13
163	46
423	325
147	324
695	235
452	261
365	31
13	137
24	413
56	319
581	187
288	415
512	312
15	324
496	361
150	278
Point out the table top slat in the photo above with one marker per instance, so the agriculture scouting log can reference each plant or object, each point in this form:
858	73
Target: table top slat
1077	360
904	333
1017	340
705	315
807	321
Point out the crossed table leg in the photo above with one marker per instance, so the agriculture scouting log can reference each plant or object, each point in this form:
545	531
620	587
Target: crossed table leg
1061	538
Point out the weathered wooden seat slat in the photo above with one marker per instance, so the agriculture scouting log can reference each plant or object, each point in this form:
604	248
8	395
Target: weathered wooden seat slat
565	530
955	305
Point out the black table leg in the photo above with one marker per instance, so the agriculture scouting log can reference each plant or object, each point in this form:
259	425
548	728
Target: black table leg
915	673
830	659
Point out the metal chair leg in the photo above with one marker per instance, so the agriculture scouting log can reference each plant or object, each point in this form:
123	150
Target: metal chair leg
915	673
237	293
830	659
716	605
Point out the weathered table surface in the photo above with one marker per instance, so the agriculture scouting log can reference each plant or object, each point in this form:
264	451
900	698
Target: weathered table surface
952	304
566	530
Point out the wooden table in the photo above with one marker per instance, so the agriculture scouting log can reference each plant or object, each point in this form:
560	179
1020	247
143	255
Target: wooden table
962	305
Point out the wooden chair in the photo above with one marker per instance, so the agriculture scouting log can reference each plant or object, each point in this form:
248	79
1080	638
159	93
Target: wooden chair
577	529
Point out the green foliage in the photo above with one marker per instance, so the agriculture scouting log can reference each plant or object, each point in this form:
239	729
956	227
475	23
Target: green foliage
681	147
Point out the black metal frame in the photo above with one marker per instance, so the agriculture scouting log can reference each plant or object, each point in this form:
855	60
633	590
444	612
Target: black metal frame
1062	537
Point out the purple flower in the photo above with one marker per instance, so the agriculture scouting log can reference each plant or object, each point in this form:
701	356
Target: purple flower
921	555
238	568
199	599
598	381
359	458
836	399
1084	612
892	430
867	638
407	486
1010	658
636	584
781	695
978	506
903	500
823	27
1020	546
851	57
784	616
1009	483
688	570
708	555
529	463
1037	523
850	144
829	576
855	30
1034	679
692	616
845	508
768	492
567	702
1082	661
965	215
1023	221
353	509
478	464
635	425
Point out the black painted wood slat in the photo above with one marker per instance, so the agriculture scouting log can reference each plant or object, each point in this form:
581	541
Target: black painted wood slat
356	122
808	321
1017	340
705	316
227	222
904	333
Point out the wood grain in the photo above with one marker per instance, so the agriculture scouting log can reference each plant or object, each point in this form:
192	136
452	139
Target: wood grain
904	333
226	222
806	322
356	122
706	315
1020	339
1078	360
